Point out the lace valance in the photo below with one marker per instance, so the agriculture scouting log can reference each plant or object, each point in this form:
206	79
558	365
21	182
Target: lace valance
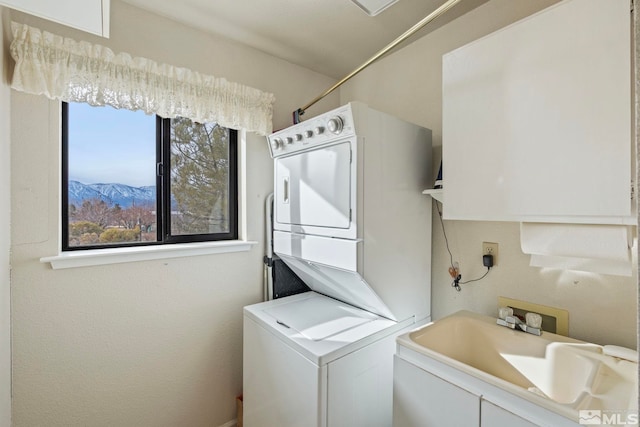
64	69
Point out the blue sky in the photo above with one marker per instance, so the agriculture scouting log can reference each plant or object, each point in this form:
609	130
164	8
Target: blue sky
108	145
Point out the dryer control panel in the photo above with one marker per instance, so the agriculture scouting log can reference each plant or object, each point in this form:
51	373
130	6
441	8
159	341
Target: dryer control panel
320	130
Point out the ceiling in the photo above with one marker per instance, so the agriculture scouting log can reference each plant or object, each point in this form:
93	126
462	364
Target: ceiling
331	37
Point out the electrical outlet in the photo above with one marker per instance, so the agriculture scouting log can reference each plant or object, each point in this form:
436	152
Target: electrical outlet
489	248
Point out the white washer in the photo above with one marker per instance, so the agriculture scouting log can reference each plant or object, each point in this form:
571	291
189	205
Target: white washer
351	222
310	360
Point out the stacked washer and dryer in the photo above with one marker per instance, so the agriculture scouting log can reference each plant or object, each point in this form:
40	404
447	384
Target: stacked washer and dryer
351	221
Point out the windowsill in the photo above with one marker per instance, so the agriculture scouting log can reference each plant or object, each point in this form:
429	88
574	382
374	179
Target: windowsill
91	257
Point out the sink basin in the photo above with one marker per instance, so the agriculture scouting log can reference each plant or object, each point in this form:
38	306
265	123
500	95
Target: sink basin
558	372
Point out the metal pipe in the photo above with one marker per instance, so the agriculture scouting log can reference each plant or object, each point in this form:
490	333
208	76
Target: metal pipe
411	31
268	258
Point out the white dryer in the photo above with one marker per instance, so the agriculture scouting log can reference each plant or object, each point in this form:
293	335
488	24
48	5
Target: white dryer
351	221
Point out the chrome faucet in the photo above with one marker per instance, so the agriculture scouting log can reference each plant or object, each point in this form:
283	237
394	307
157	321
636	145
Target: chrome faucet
506	318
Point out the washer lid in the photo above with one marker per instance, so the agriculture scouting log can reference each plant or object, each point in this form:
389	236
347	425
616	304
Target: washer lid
343	285
311	316
319	318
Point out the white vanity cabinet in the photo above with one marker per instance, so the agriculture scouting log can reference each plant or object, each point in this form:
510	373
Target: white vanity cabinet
537	119
429	393
91	16
423	399
494	416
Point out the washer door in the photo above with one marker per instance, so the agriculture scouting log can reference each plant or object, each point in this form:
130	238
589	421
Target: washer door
314	189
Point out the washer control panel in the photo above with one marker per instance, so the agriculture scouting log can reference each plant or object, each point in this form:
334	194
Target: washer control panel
323	129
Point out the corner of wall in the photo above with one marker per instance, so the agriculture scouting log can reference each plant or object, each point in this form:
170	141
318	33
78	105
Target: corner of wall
5	33
5	244
635	60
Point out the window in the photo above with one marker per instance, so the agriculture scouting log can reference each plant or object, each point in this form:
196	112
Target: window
132	179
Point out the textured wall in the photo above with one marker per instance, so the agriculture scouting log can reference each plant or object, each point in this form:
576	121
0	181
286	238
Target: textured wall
408	84
155	343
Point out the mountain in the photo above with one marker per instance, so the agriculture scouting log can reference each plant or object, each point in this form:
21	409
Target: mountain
79	191
112	193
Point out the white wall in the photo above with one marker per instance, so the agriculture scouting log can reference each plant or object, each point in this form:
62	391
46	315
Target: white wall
5	244
408	84
155	343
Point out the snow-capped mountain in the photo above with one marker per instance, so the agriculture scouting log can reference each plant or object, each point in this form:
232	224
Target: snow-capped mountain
112	193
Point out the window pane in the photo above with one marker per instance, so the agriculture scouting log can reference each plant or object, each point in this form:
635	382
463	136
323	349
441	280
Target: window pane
199	187
111	176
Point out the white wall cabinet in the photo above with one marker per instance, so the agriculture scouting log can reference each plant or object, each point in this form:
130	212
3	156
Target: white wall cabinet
537	119
91	16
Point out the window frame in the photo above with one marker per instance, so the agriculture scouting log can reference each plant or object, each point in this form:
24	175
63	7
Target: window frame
163	177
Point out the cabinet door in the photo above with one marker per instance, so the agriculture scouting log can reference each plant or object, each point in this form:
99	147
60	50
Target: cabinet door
86	15
537	118
495	416
421	399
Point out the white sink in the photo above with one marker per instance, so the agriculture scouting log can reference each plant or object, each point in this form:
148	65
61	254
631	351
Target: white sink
558	372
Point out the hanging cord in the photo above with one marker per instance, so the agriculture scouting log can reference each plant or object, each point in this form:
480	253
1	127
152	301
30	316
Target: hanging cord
479	278
453	270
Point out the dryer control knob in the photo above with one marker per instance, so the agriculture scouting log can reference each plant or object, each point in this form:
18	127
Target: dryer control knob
308	133
297	137
289	140
335	125
319	130
276	143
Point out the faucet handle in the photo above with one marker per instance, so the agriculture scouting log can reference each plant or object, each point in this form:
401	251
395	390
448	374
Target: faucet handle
533	320
504	312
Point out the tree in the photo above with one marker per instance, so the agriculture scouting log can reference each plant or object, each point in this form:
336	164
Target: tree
94	210
199	177
136	216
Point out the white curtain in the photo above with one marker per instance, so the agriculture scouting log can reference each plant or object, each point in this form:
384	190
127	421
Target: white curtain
67	70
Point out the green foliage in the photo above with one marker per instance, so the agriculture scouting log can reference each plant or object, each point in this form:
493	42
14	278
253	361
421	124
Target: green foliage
84	233
199	176
118	235
87	239
84	227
